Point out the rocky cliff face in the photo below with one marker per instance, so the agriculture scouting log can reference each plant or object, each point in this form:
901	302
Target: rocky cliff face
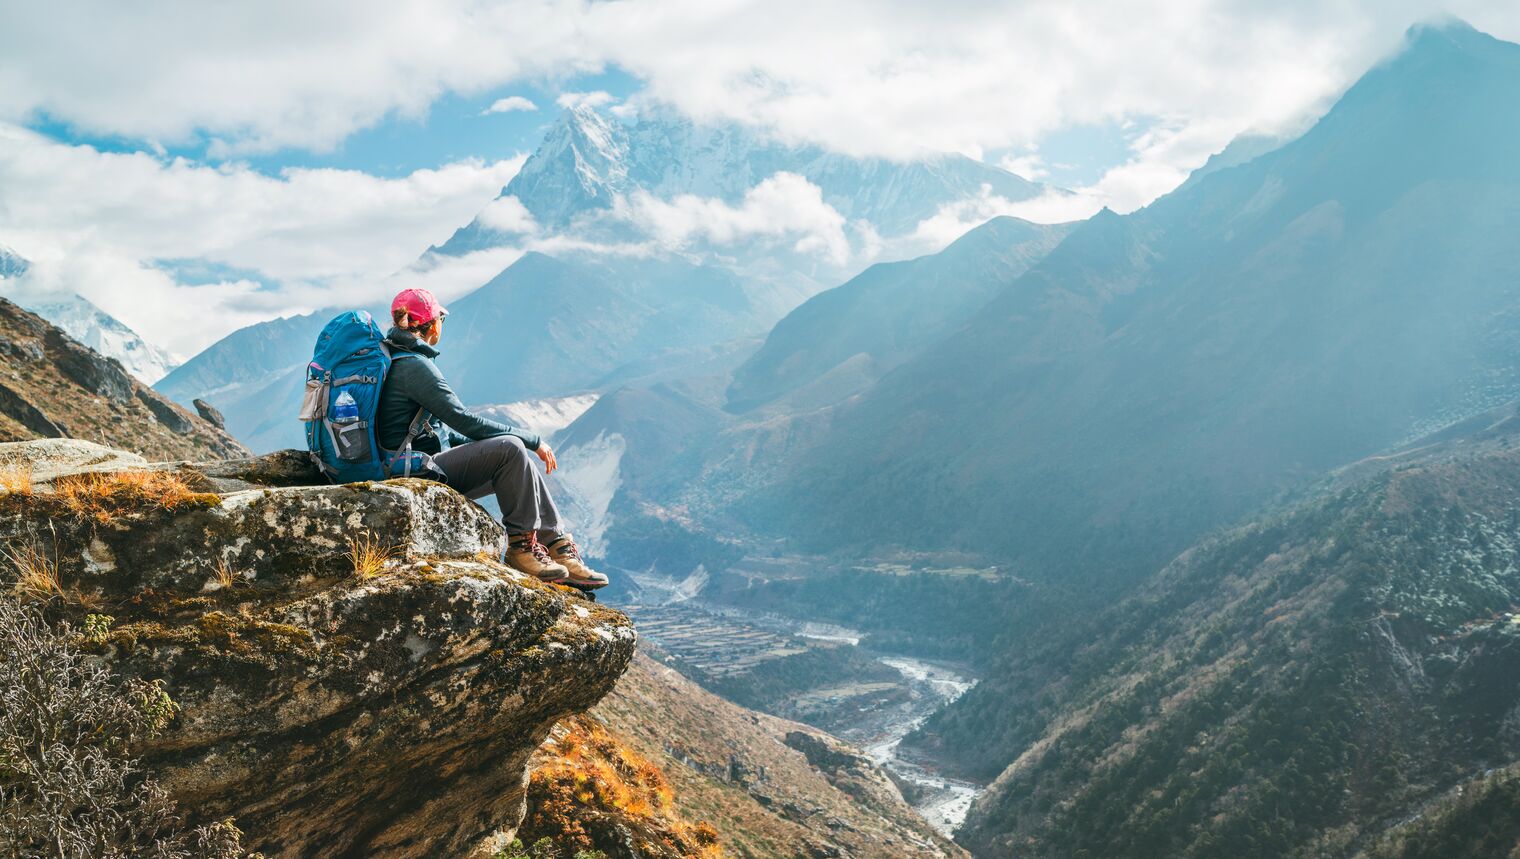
355	674
53	387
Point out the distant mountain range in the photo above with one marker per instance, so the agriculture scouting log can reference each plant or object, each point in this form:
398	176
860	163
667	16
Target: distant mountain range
90	325
589	161
12	264
883	316
572	321
1316	341
1166	372
107	335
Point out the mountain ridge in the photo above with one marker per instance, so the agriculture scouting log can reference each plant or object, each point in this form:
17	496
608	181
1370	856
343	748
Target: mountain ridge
1115	371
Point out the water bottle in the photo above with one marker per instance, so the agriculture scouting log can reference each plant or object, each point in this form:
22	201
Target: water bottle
345	410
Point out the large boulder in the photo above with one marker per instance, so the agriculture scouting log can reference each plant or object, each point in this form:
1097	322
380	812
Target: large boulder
356	673
177	420
49	458
209	413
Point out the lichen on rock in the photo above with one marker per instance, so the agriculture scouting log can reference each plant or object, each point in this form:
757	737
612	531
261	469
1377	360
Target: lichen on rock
331	714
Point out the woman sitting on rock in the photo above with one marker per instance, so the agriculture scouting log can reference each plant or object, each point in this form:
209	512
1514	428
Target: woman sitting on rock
477	455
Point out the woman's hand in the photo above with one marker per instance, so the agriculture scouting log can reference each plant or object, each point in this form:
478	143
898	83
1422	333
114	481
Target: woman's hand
546	453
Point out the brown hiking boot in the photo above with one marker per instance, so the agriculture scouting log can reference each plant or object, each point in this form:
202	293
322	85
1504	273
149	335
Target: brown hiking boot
563	550
525	554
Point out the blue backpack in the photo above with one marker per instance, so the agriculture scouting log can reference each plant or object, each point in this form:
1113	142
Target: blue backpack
342	398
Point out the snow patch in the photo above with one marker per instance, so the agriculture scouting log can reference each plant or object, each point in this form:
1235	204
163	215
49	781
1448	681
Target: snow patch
545	417
589	477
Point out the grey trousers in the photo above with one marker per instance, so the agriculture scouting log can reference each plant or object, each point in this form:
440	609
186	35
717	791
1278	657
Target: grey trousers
505	467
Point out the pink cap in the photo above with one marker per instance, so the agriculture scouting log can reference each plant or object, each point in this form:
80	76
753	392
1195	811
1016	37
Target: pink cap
419	304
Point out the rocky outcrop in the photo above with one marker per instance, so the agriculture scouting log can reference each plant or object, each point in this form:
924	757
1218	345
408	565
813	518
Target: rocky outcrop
166	413
52	387
209	413
31	418
50	458
355	673
93	371
847	769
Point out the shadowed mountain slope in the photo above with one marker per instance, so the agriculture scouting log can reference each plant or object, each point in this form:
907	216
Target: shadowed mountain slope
1162	373
1290	688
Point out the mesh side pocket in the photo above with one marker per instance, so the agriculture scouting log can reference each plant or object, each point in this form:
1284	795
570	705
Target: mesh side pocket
314	402
352	441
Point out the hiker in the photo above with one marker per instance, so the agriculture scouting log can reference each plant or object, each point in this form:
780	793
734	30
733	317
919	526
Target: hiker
481	456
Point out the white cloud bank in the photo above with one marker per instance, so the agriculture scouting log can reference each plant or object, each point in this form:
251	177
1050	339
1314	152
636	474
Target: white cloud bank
888	77
785	206
865	77
88	220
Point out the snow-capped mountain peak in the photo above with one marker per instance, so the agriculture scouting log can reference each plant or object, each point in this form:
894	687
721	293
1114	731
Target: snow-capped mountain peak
87	323
581	164
12	264
589	158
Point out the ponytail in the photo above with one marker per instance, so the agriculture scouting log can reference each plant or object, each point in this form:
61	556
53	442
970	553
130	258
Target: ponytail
403	320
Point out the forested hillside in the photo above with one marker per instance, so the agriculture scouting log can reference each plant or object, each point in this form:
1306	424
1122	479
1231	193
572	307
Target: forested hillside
1289	688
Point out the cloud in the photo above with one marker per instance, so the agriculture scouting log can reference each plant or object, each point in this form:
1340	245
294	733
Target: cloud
93	221
1029	165
507	215
864	77
785	206
509	104
879	77
598	98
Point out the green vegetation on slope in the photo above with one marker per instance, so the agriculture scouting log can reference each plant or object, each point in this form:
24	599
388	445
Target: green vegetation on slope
1287	689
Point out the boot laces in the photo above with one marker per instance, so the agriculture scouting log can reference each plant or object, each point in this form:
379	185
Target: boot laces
568	549
537	550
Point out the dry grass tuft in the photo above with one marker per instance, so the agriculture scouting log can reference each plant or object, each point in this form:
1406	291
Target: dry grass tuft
36	572
103	496
226	577
368	556
16	480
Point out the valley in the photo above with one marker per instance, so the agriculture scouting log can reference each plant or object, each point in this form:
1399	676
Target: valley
819	674
1188	529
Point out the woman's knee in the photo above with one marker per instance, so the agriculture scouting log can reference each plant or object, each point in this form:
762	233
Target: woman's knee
508	446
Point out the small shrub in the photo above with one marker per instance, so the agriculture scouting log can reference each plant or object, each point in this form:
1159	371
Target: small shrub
593	777
68	787
367	556
97	627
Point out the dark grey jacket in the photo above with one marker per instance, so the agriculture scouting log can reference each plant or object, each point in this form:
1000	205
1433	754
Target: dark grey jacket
414	382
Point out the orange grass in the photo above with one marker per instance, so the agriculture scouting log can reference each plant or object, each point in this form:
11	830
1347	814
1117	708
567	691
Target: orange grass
368	556
36	572
103	496
226	577
592	772
16	480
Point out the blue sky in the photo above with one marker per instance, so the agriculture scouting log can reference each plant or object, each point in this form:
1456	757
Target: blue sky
196	167
455	127
452	128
